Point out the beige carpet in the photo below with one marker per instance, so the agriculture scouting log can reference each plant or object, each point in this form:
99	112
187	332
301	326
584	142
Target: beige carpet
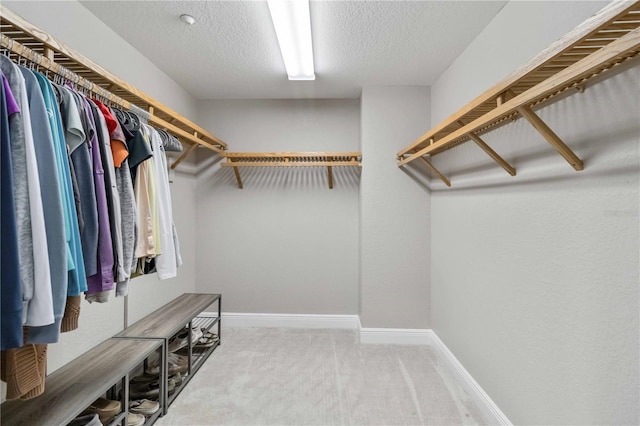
274	376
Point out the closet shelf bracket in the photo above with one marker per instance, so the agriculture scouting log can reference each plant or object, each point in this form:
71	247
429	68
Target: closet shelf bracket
184	155
436	171
551	137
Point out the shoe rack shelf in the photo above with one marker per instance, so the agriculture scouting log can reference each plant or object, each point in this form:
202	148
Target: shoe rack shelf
74	387
167	321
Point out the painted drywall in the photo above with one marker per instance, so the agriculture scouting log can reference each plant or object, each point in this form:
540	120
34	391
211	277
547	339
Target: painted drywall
75	26
535	284
394	211
286	243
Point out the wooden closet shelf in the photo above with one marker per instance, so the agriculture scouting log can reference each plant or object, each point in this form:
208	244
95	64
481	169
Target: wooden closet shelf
292	159
35	45
598	45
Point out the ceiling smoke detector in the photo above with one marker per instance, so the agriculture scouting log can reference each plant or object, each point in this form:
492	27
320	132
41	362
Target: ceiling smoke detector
187	19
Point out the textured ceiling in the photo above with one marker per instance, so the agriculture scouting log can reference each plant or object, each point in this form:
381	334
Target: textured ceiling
232	51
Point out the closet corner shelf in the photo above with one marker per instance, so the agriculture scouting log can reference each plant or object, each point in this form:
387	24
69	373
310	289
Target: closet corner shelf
598	45
292	159
28	41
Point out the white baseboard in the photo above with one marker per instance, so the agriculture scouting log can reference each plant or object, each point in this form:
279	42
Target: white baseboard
235	320
489	408
396	336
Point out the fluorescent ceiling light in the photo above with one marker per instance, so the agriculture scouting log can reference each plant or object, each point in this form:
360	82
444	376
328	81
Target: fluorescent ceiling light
292	22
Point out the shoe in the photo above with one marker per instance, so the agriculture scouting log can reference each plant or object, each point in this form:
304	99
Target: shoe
171	386
145	378
144	406
180	340
86	420
177	364
135	419
177	379
104	408
207	341
149	389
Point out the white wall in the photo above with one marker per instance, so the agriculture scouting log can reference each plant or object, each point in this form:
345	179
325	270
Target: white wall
394	211
286	243
72	25
535	284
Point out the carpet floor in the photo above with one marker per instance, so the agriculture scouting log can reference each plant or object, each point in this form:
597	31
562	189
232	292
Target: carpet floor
276	376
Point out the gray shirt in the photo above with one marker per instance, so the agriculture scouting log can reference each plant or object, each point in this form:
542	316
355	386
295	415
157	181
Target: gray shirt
20	186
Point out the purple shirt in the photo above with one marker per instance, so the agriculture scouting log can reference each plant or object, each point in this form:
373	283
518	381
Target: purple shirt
103	280
12	105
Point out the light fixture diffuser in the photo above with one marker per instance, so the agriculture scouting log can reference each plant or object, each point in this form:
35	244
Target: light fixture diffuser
292	23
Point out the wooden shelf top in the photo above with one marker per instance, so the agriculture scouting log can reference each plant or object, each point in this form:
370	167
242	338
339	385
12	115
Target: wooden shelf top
79	383
598	45
170	318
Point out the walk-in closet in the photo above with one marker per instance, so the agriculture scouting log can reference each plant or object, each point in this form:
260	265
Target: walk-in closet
314	212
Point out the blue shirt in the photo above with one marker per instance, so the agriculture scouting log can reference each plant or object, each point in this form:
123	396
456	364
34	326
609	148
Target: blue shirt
77	278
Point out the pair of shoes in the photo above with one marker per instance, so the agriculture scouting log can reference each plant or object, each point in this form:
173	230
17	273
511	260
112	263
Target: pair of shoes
177	364
144	406
145	390
181	339
104	408
135	419
86	420
207	340
177	379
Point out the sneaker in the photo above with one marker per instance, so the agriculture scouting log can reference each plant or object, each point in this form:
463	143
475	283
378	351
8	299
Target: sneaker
177	379
177	364
148	390
86	420
144	406
181	339
104	408
135	419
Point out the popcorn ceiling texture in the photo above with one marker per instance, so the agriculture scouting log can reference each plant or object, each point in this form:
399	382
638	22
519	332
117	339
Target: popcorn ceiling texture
232	51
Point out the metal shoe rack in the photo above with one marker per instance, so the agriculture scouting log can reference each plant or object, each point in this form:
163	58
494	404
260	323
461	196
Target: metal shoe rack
189	310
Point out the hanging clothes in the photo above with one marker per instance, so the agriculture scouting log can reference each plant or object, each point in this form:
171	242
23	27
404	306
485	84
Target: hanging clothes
166	261
127	203
36	289
52	207
78	149
10	290
77	278
102	282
